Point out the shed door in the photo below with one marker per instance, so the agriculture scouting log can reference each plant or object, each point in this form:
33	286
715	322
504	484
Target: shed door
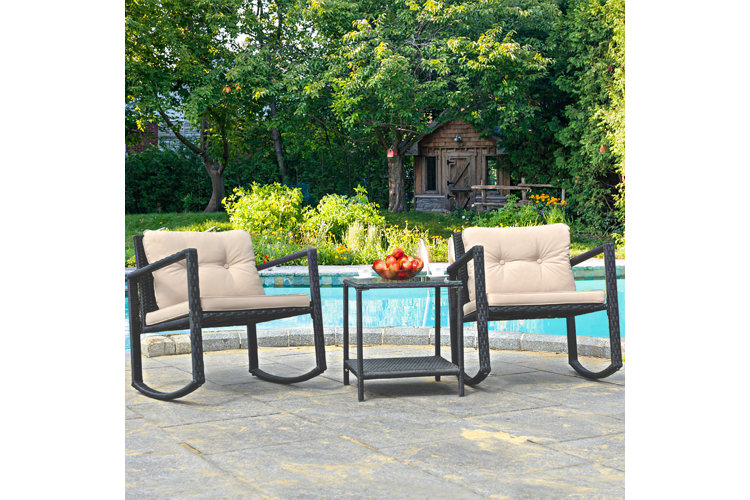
461	170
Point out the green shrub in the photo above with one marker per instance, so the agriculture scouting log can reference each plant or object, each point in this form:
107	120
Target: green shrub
360	246
542	209
265	208
277	244
365	245
555	215
335	213
165	180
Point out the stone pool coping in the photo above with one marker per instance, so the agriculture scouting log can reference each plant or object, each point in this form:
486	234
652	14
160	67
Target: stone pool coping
154	345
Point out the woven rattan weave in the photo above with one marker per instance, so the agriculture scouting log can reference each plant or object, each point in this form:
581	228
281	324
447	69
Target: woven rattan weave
142	301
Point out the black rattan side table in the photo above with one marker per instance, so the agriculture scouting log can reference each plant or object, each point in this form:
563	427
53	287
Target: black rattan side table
417	366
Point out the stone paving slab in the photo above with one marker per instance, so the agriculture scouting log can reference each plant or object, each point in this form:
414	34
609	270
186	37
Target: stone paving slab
532	429
335	468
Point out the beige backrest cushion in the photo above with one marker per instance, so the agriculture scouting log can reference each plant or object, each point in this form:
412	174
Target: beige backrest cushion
226	264
522	259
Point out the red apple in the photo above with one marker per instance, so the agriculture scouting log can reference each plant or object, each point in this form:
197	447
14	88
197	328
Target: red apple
390	274
393	266
379	266
418	264
406	265
403	274
398	253
390	260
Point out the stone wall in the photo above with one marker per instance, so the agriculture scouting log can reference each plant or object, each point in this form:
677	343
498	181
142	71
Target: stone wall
430	203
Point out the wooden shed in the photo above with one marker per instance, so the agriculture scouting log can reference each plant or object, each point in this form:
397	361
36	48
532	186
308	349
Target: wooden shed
448	161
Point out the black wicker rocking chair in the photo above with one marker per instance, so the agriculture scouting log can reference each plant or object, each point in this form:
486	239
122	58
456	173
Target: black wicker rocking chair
481	309
200	311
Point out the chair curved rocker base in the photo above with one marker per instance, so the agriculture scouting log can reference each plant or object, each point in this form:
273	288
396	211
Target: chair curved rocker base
320	357
166	396
472	381
268	377
581	370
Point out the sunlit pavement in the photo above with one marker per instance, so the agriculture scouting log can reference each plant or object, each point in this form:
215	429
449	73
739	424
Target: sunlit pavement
533	428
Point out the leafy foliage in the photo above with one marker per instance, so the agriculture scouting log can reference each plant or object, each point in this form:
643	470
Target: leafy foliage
406	65
335	213
542	209
341	80
265	209
590	73
358	246
177	56
165	180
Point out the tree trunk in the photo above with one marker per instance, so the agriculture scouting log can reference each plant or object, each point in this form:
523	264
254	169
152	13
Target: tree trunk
276	134
217	186
396	195
216	173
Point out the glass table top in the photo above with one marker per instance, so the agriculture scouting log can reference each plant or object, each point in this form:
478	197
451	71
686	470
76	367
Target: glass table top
417	281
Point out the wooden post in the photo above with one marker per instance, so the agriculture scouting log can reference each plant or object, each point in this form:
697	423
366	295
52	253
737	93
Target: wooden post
523	191
562	197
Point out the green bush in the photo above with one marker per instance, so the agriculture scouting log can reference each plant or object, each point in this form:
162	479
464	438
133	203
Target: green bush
173	179
335	213
542	209
265	209
165	180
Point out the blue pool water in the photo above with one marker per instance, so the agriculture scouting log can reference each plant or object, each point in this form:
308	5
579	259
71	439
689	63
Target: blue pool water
415	307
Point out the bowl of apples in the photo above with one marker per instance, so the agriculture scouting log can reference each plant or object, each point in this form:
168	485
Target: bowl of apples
398	266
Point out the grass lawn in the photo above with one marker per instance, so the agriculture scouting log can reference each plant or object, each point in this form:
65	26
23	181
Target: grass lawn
190	221
437	224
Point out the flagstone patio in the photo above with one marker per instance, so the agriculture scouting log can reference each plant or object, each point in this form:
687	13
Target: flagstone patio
532	429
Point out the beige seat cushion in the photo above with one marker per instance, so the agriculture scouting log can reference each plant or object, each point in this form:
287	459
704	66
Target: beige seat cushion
226	265
214	304
539	298
522	260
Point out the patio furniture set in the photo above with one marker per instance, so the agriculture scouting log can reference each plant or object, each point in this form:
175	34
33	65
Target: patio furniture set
192	280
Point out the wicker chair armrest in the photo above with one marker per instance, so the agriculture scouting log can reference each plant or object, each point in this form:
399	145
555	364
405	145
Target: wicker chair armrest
190	255
574	261
155	266
463	260
610	268
475	253
312	267
287	258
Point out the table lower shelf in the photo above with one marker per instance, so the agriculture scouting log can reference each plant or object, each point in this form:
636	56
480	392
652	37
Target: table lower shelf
418	366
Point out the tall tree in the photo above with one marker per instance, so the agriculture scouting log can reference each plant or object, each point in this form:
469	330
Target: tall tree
590	74
277	49
406	66
177	55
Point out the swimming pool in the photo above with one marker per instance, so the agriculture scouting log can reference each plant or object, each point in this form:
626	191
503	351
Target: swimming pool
415	307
